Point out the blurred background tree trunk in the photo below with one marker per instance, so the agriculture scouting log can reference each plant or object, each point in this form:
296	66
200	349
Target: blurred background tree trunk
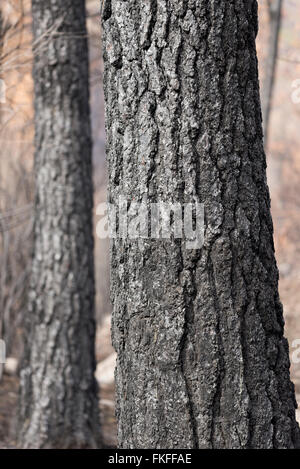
275	13
58	393
202	359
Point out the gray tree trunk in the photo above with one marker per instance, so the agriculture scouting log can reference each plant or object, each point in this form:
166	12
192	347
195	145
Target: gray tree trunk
58	396
202	360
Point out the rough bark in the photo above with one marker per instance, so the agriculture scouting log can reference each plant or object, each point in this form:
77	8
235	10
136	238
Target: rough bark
202	359
58	396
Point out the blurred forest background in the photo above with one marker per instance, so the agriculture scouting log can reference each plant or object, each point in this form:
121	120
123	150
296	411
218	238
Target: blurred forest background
16	185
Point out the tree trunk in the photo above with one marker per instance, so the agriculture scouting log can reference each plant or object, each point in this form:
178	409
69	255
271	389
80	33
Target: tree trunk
58	397
275	8
202	360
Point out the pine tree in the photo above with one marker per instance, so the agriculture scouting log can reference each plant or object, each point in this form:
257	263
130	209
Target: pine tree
58	396
202	358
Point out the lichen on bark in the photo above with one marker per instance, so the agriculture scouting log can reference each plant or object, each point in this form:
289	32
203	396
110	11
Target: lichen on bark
202	359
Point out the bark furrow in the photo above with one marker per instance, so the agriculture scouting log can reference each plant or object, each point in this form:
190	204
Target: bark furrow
202	359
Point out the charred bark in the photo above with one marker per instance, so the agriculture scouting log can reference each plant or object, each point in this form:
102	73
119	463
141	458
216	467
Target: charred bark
58	396
202	359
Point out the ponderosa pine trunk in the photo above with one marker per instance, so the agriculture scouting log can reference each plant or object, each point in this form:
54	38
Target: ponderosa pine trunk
58	396
202	359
